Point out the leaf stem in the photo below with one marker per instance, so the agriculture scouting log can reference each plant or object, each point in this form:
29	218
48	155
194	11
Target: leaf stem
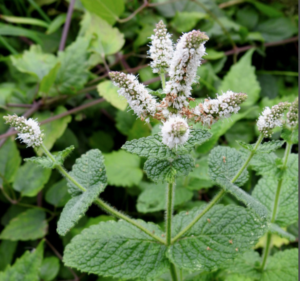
169	212
100	202
275	207
219	195
173	272
163	80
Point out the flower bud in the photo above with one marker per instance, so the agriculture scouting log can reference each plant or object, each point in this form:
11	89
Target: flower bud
292	115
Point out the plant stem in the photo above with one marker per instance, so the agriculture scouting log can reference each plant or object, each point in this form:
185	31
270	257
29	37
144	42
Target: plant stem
219	195
173	272
101	203
275	207
66	26
163	80
169	211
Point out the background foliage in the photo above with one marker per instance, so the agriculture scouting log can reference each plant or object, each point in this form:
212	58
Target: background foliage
61	79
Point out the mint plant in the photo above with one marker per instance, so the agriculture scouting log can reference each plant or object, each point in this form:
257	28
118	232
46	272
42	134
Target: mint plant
209	240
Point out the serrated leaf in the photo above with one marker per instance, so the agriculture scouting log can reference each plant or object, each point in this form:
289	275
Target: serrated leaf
166	169
49	268
276	229
107	90
263	148
29	225
208	244
132	253
30	179
123	169
25	268
89	171
292	167
153	198
10	161
57	194
224	163
265	192
265	164
47	163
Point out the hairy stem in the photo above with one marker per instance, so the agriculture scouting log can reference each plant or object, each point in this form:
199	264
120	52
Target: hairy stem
219	195
100	202
275	207
173	272
169	212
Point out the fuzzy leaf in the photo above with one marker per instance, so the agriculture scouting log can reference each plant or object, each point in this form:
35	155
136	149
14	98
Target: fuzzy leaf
265	192
89	171
47	163
117	249
29	225
166	169
263	148
208	244
275	229
224	163
25	268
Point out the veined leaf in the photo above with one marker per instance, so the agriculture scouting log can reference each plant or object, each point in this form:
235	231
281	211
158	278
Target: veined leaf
276	229
263	148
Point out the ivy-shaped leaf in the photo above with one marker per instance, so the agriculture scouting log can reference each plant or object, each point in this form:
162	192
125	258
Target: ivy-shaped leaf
263	148
167	169
221	234
89	171
47	163
224	163
119	250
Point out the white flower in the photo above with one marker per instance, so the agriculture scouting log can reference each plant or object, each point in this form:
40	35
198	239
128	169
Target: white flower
292	115
29	130
271	118
175	131
186	59
142	103
161	49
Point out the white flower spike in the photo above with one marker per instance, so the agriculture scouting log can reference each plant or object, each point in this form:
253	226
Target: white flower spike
161	49
29	130
292	115
175	132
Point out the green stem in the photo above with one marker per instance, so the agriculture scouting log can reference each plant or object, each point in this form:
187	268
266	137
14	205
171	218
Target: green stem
275	207
163	80
219	195
101	203
173	272
169	211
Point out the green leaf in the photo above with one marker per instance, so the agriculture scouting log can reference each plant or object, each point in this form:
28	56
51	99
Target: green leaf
105	9
10	161
125	121
7	250
29	225
265	164
107	40
49	268
263	148
139	129
56	23
25	268
48	80
247	16
267	10
275	229
153	198
185	21
290	136
30	179
197	137
52	130
123	169
241	78
209	243
57	194
212	54
265	192
27	20
34	62
117	249
166	169
101	140
89	171
107	90
47	163
292	169
224	163
73	73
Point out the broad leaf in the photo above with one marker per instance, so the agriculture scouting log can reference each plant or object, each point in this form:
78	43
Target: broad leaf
123	169
185	21
275	229
57	194
30	179
241	78
29	225
117	249
221	234
25	268
263	148
7	250
47	163
49	268
107	90
265	164
265	192
89	171
224	163
166	169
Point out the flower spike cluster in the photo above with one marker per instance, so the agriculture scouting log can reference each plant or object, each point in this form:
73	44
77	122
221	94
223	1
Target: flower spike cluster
142	103
271	118
292	115
161	49
189	51
223	106
175	131
29	130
